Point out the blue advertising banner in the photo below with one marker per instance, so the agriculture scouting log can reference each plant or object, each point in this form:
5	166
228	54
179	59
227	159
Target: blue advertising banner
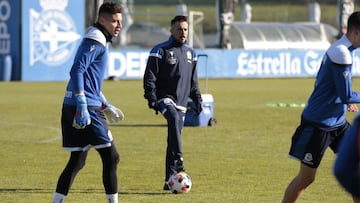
221	63
233	63
53	61
51	33
262	63
10	35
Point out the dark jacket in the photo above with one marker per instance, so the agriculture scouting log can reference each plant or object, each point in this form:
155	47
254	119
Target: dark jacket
171	72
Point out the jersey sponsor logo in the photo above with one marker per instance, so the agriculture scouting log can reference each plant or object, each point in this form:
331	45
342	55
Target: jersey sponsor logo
263	63
52	33
239	64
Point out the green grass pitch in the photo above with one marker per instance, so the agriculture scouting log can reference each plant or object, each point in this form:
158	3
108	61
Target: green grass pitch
242	159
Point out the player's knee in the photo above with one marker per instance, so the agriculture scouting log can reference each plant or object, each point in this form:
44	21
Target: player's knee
307	180
79	165
307	175
76	161
173	119
116	159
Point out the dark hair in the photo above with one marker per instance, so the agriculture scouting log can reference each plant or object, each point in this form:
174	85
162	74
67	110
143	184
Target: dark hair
110	8
354	21
178	19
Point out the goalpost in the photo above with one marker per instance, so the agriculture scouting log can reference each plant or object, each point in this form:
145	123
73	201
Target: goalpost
196	35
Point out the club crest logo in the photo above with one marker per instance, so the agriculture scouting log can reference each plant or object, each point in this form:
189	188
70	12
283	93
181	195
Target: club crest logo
172	60
308	158
52	33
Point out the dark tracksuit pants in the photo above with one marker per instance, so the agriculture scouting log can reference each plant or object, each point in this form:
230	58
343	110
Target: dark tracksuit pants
175	123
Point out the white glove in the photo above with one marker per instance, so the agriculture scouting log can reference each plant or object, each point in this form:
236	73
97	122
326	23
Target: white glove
113	115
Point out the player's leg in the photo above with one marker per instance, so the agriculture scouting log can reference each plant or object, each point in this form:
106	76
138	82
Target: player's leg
355	199
74	165
170	154
308	145
179	160
169	165
110	159
175	124
304	178
101	138
168	160
73	140
338	135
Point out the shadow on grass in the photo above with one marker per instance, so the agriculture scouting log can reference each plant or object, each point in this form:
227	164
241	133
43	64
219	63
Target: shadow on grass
39	190
47	191
140	125
143	193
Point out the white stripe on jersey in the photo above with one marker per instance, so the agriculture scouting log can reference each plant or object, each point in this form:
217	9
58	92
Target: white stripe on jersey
339	52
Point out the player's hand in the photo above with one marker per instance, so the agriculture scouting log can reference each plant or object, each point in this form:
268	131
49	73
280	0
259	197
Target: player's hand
153	105
352	108
113	115
82	116
198	109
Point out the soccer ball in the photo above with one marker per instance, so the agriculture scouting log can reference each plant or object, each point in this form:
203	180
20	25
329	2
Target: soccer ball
180	183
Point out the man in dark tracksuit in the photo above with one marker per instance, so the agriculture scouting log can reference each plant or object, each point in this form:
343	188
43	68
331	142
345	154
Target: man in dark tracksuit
170	79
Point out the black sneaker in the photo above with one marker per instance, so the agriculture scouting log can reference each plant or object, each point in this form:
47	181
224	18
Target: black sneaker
179	165
166	186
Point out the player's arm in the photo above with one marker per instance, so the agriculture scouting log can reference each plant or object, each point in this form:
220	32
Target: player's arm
342	78
82	60
341	64
195	94
150	77
86	54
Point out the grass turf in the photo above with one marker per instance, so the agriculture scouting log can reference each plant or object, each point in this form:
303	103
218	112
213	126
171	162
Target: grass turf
242	159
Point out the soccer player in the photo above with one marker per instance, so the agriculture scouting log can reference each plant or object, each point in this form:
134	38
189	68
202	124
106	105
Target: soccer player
347	164
323	121
170	78
83	121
